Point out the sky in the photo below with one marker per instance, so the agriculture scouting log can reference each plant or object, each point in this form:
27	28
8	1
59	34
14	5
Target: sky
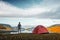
29	22
30	8
29	12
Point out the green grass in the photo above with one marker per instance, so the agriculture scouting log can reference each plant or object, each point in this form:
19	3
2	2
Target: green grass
27	36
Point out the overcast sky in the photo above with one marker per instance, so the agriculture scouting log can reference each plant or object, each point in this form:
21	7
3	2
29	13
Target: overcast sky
30	8
31	11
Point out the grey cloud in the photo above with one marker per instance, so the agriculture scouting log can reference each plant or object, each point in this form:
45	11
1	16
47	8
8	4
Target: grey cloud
51	14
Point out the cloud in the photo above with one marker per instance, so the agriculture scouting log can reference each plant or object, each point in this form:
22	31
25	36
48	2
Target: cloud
7	10
54	13
45	9
23	3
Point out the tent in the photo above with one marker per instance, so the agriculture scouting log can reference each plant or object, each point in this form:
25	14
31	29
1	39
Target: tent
40	30
54	28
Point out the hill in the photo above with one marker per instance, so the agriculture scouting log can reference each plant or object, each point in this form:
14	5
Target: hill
54	28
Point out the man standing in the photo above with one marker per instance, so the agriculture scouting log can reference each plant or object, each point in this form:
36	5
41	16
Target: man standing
19	27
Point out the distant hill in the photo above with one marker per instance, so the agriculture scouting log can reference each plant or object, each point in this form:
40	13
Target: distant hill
54	28
5	27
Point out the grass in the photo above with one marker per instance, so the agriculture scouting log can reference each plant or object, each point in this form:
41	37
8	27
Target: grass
29	36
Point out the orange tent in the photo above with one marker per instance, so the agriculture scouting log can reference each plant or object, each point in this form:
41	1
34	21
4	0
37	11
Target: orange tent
40	30
54	28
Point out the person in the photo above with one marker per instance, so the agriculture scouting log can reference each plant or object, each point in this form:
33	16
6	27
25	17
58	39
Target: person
19	27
